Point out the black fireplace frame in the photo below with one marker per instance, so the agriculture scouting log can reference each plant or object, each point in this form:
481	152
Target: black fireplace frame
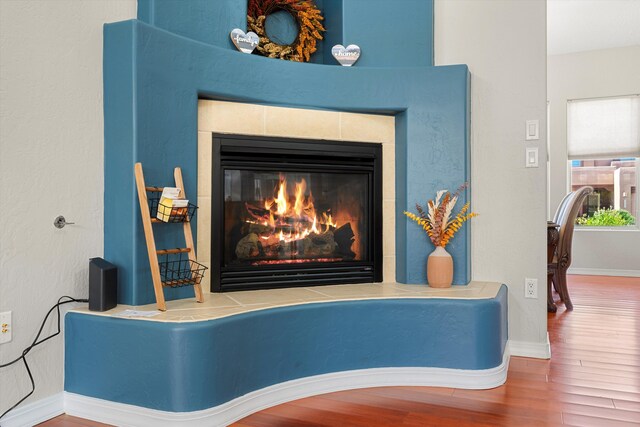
238	151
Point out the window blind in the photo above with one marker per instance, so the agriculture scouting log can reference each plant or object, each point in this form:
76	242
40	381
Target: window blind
603	128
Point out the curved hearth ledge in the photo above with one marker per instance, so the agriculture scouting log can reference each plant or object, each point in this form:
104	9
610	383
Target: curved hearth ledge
241	352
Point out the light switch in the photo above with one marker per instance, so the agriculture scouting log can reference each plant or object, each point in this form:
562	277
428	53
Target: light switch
532	130
531	158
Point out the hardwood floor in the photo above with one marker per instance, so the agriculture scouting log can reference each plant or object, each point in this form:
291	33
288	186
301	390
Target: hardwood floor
69	421
593	379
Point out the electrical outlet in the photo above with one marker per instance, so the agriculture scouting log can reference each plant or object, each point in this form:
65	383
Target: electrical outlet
530	288
5	327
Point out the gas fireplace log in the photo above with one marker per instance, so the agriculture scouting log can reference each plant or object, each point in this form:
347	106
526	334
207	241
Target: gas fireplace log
314	245
302	221
285	250
257	212
267	230
248	247
281	250
319	245
259	229
344	238
263	215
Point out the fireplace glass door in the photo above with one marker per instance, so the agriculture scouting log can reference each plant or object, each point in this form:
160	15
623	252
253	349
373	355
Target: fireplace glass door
294	217
294	213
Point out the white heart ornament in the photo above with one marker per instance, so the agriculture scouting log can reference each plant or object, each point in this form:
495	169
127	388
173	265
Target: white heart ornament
346	56
245	43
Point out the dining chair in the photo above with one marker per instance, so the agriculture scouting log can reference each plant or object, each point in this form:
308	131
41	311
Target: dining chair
561	208
552	242
566	219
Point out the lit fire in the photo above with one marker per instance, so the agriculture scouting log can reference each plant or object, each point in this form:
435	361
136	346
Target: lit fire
291	217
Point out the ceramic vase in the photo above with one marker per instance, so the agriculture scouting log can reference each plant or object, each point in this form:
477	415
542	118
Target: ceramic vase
440	268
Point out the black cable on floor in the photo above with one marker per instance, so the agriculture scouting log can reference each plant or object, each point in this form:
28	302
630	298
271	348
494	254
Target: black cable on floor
37	341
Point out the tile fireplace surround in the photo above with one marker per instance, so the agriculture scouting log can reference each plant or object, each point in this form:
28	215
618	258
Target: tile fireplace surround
257	120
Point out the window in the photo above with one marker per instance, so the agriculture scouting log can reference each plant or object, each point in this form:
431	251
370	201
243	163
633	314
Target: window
603	144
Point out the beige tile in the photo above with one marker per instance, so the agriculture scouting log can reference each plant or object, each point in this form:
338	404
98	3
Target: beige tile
338	292
453	292
205	283
222	305
487	289
211	301
474	290
273	296
367	128
230	117
117	309
389	269
258	307
388	172
205	147
400	287
203	237
199	318
389	227
168	317
301	123
250	308
221	312
418	289
189	312
204	107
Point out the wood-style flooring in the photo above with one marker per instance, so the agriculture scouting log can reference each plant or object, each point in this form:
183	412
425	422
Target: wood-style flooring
593	379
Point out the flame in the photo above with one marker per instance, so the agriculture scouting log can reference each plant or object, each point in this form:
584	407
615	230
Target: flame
328	221
298	206
281	200
294	217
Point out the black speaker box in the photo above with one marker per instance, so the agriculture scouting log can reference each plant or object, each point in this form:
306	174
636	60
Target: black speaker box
103	285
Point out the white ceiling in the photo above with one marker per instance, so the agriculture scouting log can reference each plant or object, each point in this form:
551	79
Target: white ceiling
579	25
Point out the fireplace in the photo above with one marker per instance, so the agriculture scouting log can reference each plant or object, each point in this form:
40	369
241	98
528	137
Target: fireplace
291	212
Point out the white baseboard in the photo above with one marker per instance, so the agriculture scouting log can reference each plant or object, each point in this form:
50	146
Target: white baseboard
128	415
36	412
531	349
604	272
121	414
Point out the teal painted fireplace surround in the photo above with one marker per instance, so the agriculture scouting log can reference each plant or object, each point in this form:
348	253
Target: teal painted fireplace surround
157	67
181	373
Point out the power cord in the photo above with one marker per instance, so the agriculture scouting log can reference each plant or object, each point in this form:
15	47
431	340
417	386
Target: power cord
37	341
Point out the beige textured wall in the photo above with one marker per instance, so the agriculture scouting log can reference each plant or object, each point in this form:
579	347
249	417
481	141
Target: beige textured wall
504	45
597	73
51	163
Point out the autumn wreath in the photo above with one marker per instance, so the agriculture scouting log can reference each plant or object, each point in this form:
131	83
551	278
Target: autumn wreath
306	14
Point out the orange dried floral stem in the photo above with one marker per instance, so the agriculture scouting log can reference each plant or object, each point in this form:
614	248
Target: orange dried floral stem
438	235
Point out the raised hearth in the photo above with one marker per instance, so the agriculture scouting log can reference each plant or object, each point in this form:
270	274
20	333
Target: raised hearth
230	344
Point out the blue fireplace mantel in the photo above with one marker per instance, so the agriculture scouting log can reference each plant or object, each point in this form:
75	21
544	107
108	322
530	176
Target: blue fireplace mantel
157	67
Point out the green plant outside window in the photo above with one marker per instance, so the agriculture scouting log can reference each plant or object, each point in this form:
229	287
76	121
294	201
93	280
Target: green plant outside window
607	218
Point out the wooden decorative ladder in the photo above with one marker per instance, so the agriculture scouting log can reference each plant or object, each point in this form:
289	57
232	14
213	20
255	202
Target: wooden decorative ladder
195	276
